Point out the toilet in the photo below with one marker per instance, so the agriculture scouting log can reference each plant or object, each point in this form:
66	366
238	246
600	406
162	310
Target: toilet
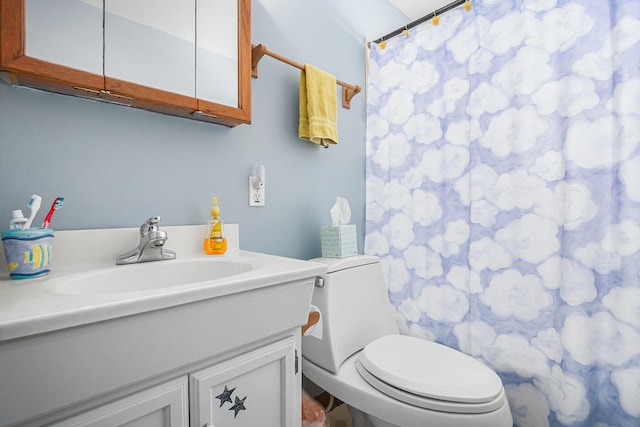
385	378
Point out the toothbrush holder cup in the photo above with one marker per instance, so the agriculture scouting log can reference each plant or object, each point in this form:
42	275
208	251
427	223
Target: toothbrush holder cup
28	252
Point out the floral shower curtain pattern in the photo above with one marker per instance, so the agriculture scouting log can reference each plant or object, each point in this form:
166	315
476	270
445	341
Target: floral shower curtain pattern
503	196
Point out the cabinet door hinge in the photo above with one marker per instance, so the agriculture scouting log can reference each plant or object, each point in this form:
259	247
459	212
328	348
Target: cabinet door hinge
296	362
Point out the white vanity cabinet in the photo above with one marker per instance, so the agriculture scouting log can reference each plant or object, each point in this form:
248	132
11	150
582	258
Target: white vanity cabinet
189	58
137	367
254	389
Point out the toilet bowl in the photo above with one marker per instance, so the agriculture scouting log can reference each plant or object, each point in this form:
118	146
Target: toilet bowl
388	379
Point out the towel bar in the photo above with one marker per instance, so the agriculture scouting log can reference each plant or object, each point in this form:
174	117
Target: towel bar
258	51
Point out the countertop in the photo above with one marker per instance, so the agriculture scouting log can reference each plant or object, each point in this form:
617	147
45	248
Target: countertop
35	306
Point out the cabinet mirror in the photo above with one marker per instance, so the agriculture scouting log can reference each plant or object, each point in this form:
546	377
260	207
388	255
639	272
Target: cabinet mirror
190	58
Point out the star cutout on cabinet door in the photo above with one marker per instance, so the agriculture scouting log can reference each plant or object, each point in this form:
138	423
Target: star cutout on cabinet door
225	396
238	406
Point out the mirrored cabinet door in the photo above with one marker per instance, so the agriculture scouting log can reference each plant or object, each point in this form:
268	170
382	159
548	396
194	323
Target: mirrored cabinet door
189	58
217	51
65	32
151	43
224	50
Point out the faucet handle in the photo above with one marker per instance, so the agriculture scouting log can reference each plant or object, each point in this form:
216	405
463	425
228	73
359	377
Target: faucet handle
149	225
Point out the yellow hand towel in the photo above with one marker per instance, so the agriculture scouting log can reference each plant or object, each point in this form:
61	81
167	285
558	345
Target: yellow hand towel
318	107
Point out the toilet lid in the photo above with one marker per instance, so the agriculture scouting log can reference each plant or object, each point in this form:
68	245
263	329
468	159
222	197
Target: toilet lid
429	370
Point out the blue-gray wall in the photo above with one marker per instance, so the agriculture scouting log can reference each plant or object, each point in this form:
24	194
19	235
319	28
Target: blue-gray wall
117	166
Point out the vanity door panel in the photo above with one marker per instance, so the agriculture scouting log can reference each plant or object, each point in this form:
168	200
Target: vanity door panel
259	388
160	406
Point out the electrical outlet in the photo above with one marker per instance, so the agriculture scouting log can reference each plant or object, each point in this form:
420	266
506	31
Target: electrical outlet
256	192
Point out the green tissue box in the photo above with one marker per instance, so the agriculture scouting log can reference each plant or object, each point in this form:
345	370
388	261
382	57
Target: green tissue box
339	241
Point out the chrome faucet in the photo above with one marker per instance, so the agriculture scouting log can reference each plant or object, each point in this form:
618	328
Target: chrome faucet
150	247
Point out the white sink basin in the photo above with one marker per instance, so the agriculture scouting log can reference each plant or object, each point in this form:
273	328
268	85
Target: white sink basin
150	276
85	286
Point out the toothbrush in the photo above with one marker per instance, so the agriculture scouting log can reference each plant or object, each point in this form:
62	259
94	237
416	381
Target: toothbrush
57	204
34	205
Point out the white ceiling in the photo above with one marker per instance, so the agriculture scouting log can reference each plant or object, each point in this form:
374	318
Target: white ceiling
416	9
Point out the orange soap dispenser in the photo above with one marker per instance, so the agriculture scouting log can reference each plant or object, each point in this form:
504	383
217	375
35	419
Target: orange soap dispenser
215	243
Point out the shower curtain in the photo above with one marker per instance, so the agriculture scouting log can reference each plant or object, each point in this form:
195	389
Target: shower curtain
503	197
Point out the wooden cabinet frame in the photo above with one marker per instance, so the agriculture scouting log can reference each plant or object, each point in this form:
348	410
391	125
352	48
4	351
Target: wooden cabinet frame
32	72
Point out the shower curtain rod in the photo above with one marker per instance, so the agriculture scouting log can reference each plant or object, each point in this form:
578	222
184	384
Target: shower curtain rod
421	20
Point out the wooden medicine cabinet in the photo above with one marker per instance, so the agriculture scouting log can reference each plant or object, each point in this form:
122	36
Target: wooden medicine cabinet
189	58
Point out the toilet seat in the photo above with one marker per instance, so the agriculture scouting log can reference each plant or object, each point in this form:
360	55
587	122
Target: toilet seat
429	375
350	387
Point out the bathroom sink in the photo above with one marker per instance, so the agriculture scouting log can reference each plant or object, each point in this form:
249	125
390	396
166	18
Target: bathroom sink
85	286
151	276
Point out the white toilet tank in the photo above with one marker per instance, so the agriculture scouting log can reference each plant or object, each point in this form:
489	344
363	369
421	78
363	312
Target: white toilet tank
354	307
